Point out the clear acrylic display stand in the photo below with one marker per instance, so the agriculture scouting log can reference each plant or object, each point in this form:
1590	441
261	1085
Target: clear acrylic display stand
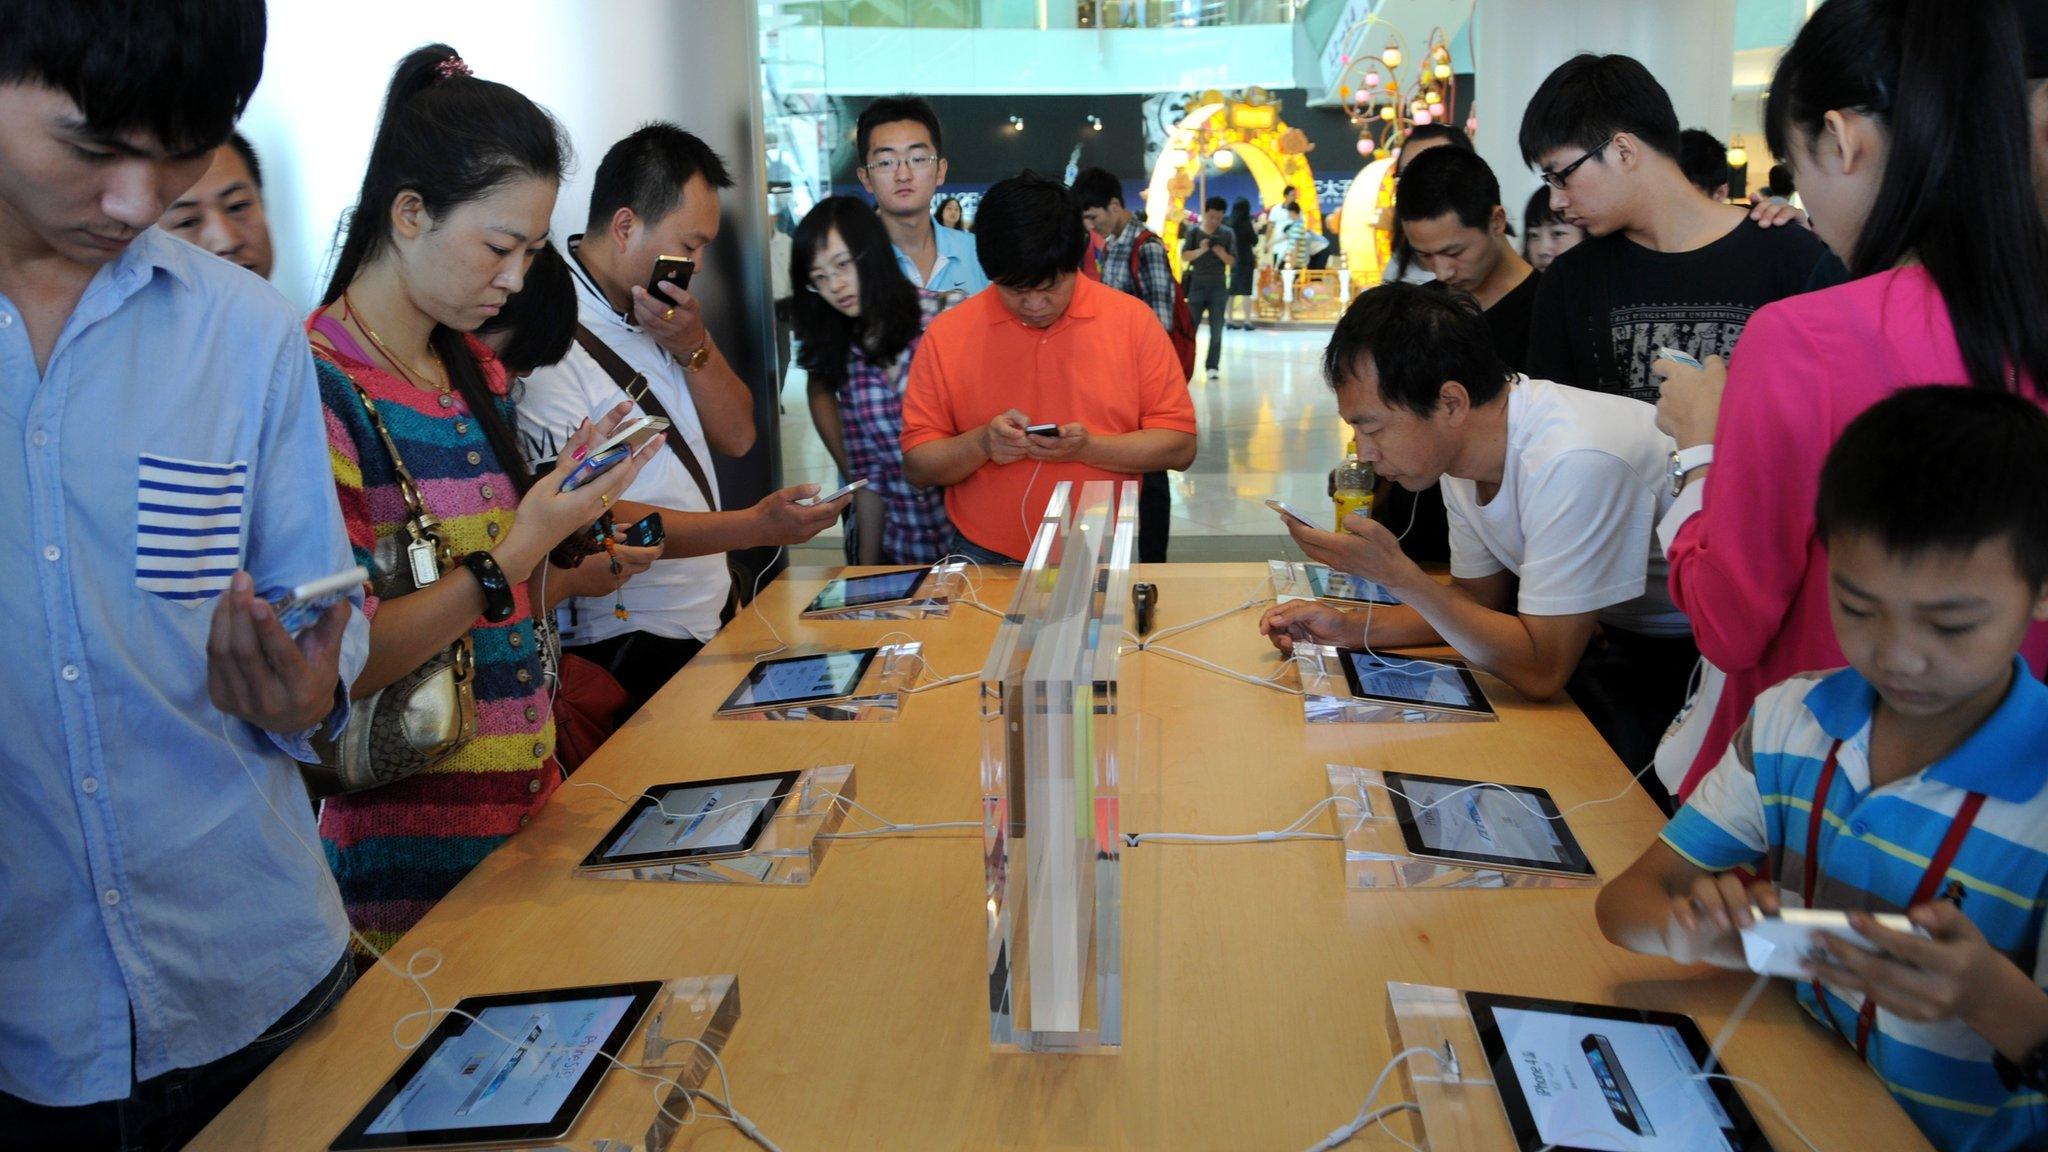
879	695
633	1114
1376	855
789	851
1326	695
948	580
1052	732
1459	1109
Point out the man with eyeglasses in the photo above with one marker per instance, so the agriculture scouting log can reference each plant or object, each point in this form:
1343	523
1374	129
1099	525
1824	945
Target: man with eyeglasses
902	166
1663	266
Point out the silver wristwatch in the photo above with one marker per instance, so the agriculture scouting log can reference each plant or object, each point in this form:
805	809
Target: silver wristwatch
1686	461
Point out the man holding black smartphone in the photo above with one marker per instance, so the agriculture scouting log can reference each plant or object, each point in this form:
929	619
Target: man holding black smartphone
653	215
1209	252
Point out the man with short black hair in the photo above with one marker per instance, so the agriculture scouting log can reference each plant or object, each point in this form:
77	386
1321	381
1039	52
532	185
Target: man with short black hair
1134	261
1704	159
223	213
1045	345
165	928
902	163
1448	208
1553	495
1662	266
655	195
1209	250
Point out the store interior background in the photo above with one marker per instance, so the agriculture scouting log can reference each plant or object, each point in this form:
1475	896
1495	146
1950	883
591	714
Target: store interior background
1051	85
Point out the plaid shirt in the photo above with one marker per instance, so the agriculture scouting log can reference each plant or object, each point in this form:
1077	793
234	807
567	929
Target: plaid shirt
915	529
1155	273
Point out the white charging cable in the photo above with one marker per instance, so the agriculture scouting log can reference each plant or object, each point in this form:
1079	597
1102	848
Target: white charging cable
413	975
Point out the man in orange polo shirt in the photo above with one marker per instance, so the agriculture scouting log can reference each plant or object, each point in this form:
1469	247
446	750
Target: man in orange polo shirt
1044	345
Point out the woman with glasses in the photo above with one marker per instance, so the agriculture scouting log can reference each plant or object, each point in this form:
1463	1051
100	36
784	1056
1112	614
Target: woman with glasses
858	321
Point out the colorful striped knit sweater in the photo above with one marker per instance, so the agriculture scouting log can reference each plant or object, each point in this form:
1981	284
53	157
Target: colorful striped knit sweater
396	850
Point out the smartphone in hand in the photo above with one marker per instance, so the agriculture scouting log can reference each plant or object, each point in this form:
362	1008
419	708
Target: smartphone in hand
305	604
675	270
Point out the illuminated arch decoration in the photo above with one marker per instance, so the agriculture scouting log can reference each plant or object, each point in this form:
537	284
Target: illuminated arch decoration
1367	247
1249	131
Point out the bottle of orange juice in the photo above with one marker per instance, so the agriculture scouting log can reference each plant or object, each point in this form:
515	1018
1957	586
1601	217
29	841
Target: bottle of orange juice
1354	485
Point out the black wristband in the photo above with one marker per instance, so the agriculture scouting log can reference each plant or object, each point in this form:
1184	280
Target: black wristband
498	603
2030	1071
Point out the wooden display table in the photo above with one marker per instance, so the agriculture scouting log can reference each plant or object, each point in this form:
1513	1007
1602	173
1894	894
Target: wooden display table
1254	983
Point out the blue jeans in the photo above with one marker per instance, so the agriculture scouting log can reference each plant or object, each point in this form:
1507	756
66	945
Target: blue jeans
961	546
163	1113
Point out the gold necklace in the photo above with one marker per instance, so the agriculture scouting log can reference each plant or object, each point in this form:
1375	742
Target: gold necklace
444	387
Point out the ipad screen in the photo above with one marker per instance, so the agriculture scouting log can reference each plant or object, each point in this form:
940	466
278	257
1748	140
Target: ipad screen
713	817
1615	1085
521	1070
1488	824
879	588
1329	584
1409	681
799	679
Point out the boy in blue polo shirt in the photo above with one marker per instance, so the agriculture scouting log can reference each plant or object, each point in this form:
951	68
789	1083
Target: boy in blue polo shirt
1930	755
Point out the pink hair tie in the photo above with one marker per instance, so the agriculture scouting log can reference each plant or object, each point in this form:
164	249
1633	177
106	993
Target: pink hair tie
452	67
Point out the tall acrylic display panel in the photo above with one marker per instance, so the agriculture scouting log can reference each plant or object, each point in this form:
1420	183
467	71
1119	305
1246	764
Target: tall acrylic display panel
1052	731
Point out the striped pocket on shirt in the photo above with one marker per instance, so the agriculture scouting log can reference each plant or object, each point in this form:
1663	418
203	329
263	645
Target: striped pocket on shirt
188	525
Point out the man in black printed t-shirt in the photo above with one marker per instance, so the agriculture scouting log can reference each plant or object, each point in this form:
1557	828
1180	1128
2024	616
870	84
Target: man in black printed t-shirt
1663	266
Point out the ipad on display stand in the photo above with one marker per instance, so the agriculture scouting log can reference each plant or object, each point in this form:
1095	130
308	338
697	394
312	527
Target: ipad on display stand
1345	588
874	590
1476	824
1597	1078
1414	683
791	681
694	821
520	1072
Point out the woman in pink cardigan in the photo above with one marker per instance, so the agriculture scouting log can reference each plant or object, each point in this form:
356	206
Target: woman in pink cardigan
1922	184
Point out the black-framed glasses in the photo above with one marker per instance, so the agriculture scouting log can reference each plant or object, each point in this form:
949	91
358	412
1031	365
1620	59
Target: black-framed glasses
917	162
1556	179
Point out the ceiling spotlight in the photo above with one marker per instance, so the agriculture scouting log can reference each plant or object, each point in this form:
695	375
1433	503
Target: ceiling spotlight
1225	158
1094	122
1016	123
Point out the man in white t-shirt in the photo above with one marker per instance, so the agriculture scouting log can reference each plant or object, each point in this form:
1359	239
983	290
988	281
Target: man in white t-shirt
1553	495
656	194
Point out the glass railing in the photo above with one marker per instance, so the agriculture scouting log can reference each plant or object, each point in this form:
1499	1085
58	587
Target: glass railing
1038	13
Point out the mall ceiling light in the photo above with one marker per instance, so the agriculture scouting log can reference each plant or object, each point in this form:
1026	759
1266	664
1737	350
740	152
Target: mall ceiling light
1094	122
1016	123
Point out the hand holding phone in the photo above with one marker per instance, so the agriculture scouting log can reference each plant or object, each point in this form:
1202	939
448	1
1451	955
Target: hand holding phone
1285	509
676	270
814	501
594	465
1050	430
1675	355
646	533
303	605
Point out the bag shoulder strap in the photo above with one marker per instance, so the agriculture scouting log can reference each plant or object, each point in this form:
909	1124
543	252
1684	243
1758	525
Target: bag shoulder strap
635	386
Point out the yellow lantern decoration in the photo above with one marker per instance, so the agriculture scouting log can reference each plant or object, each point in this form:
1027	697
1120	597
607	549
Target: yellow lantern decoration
1392	56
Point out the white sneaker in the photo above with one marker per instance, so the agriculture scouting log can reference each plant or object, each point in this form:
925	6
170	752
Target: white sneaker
1213	373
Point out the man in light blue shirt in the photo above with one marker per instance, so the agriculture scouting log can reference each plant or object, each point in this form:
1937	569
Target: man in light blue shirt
166	926
901	166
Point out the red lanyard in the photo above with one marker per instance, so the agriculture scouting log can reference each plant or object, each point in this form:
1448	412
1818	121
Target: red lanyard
1937	870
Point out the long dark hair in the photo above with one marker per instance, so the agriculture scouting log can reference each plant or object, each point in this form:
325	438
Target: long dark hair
890	317
1957	192
453	139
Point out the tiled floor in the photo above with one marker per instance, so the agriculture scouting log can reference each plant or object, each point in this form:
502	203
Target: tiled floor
1269	428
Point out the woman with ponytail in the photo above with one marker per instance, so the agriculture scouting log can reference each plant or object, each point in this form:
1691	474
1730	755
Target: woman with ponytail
461	182
1920	182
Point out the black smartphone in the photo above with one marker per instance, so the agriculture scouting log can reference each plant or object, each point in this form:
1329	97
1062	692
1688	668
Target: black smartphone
675	270
647	533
